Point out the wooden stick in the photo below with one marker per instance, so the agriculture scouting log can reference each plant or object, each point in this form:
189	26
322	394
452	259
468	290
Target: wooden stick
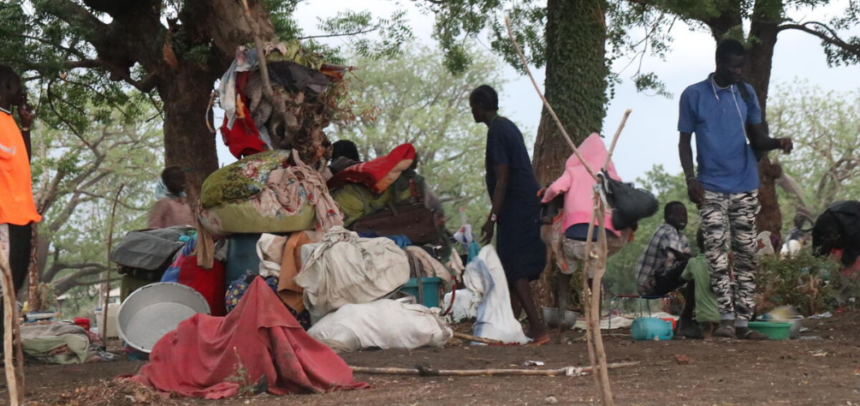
261	56
107	280
14	374
615	138
572	371
545	101
602	373
586	300
468	337
34	298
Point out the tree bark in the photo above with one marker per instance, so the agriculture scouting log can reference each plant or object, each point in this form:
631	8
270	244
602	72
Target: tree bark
765	29
575	86
188	143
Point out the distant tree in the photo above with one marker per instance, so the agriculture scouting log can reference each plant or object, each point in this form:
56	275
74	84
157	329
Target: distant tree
766	19
76	177
414	99
169	52
825	166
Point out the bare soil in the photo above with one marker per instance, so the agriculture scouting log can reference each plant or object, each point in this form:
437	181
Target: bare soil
822	369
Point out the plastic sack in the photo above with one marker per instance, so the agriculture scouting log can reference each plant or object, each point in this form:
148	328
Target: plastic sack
381	324
485	277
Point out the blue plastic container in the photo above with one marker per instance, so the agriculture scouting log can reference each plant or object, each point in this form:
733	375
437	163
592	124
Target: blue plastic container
649	328
430	288
242	256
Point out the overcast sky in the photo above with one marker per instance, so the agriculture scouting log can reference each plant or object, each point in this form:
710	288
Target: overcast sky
650	136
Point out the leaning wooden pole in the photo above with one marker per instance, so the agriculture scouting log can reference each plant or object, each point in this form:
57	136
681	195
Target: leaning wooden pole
602	251
261	55
107	279
545	101
590	324
14	372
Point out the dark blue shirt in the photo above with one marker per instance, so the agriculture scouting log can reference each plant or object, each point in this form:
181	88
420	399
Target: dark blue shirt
505	146
726	163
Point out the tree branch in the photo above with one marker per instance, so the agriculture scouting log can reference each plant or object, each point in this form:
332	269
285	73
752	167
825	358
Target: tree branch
832	39
345	34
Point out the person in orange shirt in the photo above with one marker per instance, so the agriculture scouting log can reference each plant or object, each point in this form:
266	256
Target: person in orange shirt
17	209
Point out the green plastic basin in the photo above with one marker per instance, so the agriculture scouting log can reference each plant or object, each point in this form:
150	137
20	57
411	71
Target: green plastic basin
772	329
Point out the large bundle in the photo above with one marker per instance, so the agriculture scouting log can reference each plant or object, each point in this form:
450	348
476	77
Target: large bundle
303	101
345	269
235	199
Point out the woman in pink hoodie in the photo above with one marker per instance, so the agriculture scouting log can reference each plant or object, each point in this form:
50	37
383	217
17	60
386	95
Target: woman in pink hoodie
577	186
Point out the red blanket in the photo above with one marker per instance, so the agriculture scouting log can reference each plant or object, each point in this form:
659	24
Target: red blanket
379	173
213	357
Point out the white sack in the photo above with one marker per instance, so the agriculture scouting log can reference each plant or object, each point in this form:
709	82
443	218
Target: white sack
465	305
382	324
485	277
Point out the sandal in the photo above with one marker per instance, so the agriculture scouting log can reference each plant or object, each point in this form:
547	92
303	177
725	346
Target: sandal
540	340
726	329
745	333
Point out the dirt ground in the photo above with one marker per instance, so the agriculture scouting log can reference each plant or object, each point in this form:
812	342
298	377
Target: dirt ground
821	369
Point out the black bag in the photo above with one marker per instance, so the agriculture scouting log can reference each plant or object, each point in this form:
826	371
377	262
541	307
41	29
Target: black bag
629	204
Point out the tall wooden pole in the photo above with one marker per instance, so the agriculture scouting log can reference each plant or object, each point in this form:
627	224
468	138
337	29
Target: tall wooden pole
107	279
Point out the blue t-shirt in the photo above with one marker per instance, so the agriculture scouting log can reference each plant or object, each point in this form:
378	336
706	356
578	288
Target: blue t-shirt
726	163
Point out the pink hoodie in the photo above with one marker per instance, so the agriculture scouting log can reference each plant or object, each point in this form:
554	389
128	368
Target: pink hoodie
577	184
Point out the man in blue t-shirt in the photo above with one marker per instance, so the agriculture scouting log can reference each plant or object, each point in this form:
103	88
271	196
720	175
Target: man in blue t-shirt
724	113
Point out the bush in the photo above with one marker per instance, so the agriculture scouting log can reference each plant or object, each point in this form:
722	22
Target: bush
798	282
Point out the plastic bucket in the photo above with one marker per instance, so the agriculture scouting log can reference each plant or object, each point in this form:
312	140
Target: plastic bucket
650	329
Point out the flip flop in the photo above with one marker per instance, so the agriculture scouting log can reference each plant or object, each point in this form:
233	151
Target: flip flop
540	340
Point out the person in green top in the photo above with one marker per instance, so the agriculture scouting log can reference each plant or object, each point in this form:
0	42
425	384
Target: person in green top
707	311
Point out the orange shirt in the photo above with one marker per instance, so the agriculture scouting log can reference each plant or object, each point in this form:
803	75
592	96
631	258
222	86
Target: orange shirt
16	189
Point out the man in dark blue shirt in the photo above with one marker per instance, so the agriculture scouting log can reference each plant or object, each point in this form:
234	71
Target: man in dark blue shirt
724	113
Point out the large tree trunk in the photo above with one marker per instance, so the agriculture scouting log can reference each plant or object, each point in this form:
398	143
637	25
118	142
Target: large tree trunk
575	86
764	29
187	140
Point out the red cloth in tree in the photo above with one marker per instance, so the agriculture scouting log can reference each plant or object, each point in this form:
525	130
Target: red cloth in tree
209	282
205	355
244	138
379	173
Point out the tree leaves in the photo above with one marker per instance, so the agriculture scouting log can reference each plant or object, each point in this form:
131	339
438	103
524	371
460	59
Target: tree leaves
416	100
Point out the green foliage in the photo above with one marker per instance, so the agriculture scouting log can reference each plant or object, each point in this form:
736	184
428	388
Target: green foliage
393	32
621	268
75	181
797	282
415	99
825	127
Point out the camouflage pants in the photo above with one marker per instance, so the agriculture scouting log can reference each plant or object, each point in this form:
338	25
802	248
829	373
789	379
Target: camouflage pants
722	214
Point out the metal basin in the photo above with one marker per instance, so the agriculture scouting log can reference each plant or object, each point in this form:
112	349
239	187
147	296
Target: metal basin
154	310
555	318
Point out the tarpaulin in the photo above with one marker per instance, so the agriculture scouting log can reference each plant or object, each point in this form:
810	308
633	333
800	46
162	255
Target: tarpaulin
213	357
